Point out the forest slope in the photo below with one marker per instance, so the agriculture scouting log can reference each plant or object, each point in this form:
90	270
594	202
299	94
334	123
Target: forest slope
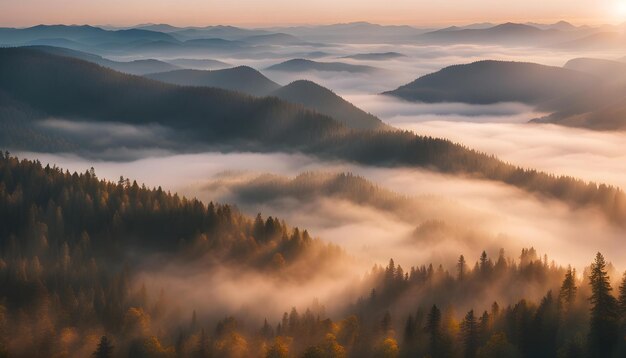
79	90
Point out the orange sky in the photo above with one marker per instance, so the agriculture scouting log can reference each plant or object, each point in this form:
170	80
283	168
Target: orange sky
281	12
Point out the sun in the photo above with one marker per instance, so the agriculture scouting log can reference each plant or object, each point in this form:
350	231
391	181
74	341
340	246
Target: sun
620	8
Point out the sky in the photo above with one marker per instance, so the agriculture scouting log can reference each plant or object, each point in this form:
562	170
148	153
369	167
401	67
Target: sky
21	13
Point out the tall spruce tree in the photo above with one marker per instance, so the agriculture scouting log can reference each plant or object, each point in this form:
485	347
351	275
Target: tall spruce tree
603	332
433	328
469	335
567	293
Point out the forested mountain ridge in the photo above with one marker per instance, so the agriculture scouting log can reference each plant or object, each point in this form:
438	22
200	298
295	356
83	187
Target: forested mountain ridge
78	90
92	92
325	101
135	67
250	81
64	285
242	79
57	208
584	93
486	82
91	235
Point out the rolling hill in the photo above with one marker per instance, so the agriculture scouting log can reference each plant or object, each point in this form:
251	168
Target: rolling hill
250	81
486	82
313	96
242	79
302	65
599	106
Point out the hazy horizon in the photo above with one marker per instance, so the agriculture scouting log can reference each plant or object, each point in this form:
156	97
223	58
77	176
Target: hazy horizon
284	13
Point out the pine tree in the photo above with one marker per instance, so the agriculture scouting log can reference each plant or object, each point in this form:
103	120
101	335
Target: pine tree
567	294
469	335
604	311
433	328
461	268
105	348
622	298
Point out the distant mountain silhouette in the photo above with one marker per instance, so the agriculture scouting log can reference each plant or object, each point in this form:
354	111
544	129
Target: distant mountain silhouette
83	34
598	106
302	65
224	32
158	27
242	79
508	33
486	82
598	67
596	41
325	101
375	56
272	39
198	64
560	25
137	67
354	32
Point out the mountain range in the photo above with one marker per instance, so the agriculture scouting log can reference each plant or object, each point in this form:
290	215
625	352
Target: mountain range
136	67
249	81
39	85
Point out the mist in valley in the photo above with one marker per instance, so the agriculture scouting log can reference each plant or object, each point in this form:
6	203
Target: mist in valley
249	246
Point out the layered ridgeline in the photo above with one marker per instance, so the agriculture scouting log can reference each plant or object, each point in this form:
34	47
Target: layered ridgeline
601	106
73	249
584	93
146	40
250	81
48	85
136	67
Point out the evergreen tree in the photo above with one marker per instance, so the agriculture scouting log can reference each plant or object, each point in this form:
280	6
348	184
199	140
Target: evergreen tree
461	268
603	330
105	348
567	293
469	335
622	298
433	328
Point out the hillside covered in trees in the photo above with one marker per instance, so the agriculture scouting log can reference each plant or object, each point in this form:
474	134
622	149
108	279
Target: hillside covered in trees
69	267
486	82
36	85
